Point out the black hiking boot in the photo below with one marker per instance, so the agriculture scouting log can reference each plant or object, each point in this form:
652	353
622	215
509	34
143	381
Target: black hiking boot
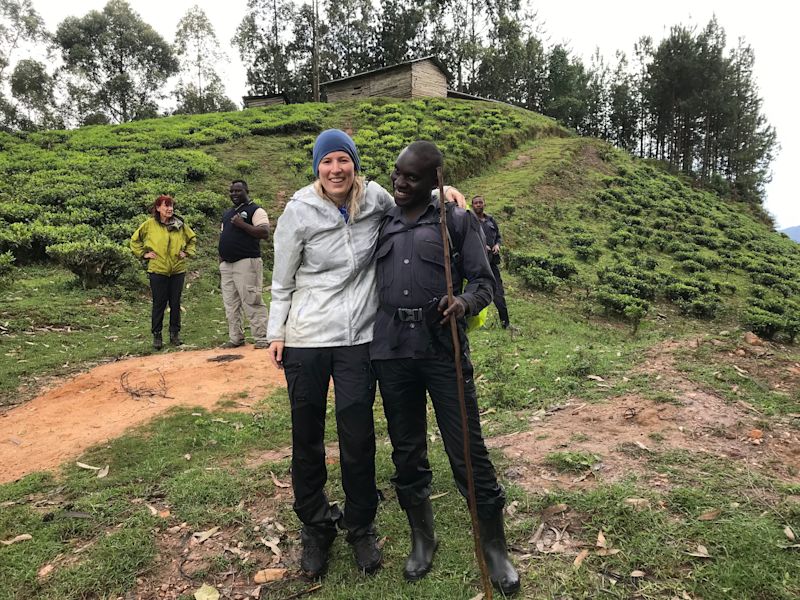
317	542
158	343
423	541
365	549
175	339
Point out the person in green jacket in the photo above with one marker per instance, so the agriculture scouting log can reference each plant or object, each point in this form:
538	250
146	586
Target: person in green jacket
165	241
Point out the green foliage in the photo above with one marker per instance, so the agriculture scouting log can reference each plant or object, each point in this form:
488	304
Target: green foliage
95	53
541	271
95	262
571	462
6	265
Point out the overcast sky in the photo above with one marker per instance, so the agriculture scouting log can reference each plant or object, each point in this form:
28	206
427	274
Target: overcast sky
767	25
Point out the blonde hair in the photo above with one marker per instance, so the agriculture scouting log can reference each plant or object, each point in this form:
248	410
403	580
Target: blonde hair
353	200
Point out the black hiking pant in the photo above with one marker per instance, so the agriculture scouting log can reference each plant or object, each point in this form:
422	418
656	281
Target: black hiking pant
403	383
308	373
166	289
499	292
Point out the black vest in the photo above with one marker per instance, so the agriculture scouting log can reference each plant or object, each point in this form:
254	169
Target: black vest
234	243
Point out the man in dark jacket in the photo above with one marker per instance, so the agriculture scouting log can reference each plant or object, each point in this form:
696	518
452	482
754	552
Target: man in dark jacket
491	232
244	225
412	353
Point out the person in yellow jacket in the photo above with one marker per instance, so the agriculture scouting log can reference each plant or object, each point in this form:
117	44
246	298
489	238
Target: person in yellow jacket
165	241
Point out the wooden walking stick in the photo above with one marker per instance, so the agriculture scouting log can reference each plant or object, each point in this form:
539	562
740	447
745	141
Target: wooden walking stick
471	501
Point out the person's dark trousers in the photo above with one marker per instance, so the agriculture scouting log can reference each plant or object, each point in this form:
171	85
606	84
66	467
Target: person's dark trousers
403	383
308	372
166	289
499	293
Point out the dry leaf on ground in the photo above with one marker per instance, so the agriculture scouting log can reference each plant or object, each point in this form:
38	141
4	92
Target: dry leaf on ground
789	533
85	466
601	540
20	538
277	482
202	536
637	503
267	575
103	472
637	573
272	544
551	511
206	592
580	558
710	515
44	571
701	552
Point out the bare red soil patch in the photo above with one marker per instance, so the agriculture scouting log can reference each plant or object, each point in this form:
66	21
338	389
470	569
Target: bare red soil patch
101	404
623	430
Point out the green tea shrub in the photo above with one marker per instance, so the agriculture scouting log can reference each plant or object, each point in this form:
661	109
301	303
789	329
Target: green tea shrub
245	167
623	305
6	265
628	280
695	297
538	279
692	266
539	271
95	262
762	322
12	211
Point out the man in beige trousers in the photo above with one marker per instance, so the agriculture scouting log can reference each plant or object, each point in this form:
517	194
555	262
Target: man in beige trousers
244	225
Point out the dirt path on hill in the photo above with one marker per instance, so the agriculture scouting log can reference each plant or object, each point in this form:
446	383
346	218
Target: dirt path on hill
101	404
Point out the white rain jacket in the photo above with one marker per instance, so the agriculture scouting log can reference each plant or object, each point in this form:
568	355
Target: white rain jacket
323	280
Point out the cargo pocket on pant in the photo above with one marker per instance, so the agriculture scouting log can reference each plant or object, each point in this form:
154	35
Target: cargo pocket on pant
293	371
252	295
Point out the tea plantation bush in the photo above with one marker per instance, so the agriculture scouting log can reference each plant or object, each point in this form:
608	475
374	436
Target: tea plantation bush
83	190
704	240
95	262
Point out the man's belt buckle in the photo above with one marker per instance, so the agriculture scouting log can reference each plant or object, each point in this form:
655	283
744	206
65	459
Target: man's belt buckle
409	314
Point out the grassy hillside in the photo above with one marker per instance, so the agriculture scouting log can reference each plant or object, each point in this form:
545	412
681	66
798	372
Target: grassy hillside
632	241
629	407
69	201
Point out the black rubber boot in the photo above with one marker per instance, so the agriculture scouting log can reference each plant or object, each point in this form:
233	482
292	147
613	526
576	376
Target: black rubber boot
175	339
158	343
493	541
364	541
423	541
317	542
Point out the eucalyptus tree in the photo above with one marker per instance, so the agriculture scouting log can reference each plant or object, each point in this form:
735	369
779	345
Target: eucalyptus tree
197	48
20	27
262	38
118	63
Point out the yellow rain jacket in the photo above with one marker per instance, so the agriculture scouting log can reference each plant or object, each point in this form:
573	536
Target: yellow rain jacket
167	241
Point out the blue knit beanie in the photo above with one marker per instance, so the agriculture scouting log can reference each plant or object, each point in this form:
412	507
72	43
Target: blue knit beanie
333	140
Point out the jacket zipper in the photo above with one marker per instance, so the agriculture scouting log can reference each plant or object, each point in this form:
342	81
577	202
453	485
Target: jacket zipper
348	300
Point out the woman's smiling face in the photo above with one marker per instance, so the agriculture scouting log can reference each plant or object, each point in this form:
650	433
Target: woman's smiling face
337	172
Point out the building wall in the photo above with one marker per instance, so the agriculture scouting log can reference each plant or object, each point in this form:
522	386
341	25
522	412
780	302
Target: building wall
416	80
256	102
427	80
395	84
